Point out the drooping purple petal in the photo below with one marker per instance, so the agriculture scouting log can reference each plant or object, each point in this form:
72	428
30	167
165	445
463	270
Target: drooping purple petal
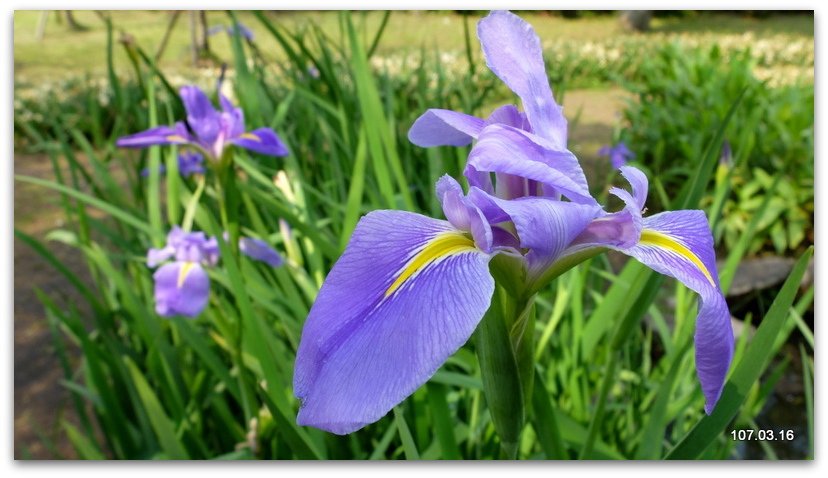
502	149
260	250
262	141
160	135
371	340
679	244
181	288
438	127
513	52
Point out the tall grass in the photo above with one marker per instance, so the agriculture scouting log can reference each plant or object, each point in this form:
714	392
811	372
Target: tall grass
609	384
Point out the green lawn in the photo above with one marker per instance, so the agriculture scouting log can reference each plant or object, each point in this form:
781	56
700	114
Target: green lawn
63	53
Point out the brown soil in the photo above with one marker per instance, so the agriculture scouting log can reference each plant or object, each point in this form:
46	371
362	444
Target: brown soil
40	402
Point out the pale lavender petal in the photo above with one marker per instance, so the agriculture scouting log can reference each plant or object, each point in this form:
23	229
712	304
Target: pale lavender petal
696	270
619	230
438	127
513	52
160	135
510	116
544	227
157	256
260	250
502	149
181	288
262	141
364	350
639	183
462	213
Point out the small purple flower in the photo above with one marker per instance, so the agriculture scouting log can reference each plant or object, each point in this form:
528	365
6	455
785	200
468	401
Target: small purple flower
619	154
259	250
726	158
237	29
410	290
189	163
212	130
182	286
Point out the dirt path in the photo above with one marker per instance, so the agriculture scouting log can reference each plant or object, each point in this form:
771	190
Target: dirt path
40	402
593	116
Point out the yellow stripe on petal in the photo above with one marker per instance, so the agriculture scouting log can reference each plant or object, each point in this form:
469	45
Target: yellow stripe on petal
443	245
663	241
175	138
184	272
251	136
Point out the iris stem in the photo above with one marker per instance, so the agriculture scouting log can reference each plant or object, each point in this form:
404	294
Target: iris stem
226	191
609	379
189	214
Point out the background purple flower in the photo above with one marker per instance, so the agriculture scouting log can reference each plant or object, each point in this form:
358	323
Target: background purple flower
182	286
210	130
260	250
619	154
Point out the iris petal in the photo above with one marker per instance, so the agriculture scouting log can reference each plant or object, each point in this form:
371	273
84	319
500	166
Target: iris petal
202	117
181	288
261	251
160	135
502	149
462	213
262	141
543	227
513	52
679	244
364	350
438	127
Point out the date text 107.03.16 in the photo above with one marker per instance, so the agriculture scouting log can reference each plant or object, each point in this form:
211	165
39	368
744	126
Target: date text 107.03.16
762	435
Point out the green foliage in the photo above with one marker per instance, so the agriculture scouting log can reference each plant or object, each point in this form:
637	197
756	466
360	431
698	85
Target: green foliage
686	93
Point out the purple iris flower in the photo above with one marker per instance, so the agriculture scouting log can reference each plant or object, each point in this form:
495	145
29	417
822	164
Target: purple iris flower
260	250
726	157
212	130
189	163
619	154
182	286
410	290
238	28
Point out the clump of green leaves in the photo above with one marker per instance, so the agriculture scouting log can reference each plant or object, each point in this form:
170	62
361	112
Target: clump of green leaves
680	98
